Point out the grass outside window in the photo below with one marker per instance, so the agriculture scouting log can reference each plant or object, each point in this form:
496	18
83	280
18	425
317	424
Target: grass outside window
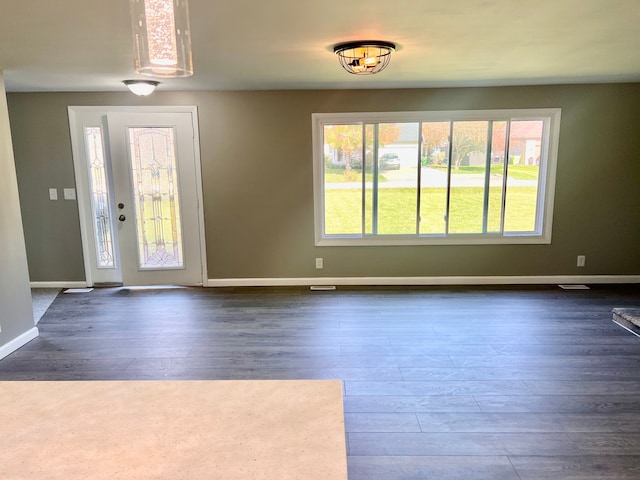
397	212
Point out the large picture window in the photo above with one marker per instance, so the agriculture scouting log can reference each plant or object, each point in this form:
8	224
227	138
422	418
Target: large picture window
463	177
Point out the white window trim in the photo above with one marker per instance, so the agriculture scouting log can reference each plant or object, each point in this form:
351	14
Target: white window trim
548	165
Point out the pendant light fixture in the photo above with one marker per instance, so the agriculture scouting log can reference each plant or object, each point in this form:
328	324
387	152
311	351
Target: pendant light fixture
161	38
364	57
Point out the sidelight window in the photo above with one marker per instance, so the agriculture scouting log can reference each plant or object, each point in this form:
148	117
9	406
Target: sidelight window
101	212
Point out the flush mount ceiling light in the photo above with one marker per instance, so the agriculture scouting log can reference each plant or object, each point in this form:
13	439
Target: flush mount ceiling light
161	38
364	57
141	88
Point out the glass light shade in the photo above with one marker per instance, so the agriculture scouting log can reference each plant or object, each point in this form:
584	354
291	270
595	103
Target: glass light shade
161	38
142	88
364	57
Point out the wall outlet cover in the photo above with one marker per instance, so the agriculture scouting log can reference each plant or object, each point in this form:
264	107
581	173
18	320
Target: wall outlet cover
69	193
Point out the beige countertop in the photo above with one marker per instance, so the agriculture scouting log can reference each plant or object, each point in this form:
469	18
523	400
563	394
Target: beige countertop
172	430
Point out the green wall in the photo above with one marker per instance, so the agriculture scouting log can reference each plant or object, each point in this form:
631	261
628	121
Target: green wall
258	182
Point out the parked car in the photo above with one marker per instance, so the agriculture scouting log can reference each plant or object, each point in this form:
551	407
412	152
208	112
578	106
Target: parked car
390	161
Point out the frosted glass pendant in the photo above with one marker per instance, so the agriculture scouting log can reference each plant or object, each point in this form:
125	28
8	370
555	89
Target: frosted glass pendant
161	38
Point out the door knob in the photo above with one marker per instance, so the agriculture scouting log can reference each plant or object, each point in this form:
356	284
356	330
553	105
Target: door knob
122	218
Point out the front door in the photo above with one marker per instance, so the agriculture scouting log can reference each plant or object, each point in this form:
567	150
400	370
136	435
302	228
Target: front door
143	202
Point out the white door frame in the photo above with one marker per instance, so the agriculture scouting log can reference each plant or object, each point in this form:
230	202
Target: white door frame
82	179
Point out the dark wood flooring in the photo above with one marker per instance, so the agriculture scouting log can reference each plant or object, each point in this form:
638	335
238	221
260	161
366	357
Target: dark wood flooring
439	383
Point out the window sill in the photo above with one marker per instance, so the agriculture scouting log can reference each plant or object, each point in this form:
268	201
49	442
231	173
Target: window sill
382	241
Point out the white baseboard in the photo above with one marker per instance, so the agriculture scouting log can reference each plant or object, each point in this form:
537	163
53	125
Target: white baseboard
460	280
372	281
18	342
58	284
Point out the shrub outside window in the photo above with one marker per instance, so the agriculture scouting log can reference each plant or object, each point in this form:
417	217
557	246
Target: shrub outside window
459	177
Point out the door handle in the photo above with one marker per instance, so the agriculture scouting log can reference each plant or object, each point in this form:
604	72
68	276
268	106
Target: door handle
122	218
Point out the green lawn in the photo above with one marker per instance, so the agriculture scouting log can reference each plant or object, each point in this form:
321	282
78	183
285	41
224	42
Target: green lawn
339	175
517	172
397	207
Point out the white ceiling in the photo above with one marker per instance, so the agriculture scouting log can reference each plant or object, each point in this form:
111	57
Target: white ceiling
78	45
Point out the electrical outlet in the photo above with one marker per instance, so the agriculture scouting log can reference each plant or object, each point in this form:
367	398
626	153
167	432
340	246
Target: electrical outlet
53	194
582	259
319	263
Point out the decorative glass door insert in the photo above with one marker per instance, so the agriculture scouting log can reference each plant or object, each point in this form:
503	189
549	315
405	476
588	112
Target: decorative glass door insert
105	257
154	181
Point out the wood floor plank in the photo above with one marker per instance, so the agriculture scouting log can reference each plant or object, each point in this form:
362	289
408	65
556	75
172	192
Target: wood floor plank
528	422
432	468
560	403
519	373
563	349
548	361
589	467
464	444
410	403
381	422
584	387
488	387
415	350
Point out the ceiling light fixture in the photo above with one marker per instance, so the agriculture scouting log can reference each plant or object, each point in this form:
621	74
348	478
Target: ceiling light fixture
161	38
364	57
142	88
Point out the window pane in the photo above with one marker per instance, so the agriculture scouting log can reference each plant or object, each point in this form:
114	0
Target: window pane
368	184
468	169
525	140
343	179
157	205
496	180
99	197
397	178
434	177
